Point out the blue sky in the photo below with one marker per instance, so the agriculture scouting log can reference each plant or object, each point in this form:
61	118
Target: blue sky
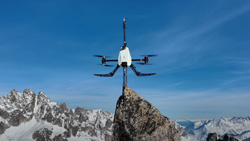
203	46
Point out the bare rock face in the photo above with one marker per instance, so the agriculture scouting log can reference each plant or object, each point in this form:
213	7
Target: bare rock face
45	134
138	120
227	137
216	137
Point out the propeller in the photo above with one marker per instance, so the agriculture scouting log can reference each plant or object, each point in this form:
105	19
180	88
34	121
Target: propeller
146	59
140	63
98	56
103	60
106	65
151	55
101	56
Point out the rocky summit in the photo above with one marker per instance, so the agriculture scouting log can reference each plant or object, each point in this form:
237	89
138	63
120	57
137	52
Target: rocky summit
138	120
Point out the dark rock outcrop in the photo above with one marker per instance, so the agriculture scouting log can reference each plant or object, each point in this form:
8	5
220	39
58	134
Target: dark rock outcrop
227	137
3	126
42	135
136	119
4	114
216	137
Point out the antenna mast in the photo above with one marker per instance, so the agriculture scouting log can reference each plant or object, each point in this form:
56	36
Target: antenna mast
124	46
124	31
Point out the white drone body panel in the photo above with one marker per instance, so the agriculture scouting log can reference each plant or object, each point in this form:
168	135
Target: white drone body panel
124	57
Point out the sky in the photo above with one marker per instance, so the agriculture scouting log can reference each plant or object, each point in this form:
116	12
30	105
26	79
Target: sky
203	49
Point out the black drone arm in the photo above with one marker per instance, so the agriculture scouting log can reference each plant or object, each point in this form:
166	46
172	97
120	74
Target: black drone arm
111	60
109	74
145	60
137	59
140	74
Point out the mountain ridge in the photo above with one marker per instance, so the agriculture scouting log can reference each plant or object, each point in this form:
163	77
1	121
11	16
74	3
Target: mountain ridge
238	127
29	116
39	113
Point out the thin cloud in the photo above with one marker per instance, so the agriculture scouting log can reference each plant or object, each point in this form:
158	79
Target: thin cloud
185	46
216	101
215	22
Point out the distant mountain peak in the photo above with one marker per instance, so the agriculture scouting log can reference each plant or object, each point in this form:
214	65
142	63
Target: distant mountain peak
28	91
33	115
42	93
238	127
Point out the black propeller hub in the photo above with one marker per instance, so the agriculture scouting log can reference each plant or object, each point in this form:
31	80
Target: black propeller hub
103	60
146	59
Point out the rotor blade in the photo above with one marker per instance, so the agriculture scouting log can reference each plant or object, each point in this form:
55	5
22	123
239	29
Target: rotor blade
106	65
140	63
151	55
98	56
101	56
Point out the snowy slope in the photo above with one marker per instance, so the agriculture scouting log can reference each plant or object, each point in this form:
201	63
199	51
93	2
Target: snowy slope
27	116
236	127
24	131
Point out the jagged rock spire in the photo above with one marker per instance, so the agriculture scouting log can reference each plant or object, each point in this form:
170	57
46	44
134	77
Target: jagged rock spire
137	119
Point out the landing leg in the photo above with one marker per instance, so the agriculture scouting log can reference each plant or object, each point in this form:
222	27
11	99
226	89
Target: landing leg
124	77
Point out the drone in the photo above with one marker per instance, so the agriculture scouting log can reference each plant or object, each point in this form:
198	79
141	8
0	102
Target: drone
125	60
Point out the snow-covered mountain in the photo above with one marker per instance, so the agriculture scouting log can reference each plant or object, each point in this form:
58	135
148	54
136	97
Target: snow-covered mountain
27	116
237	127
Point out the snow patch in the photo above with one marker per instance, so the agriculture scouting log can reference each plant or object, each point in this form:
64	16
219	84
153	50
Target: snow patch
25	130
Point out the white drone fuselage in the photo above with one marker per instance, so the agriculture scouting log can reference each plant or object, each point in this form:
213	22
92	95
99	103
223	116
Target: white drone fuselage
124	58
